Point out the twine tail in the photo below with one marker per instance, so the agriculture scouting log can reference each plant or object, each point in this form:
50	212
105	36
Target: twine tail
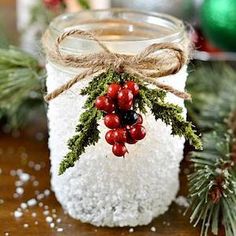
176	92
81	33
70	83
167	88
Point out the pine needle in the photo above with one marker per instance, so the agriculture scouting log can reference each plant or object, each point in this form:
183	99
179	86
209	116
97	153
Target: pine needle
214	175
21	80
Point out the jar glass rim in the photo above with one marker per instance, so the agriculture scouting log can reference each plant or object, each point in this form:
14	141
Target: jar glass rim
175	26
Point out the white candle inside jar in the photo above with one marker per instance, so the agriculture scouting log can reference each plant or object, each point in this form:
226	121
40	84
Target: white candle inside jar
102	189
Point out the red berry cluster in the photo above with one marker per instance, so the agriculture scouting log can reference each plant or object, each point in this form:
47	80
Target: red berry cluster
125	123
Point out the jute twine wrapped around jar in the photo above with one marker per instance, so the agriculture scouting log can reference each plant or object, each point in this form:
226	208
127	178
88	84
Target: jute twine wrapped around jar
157	60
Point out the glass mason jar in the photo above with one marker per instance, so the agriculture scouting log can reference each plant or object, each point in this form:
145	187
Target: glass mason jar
102	189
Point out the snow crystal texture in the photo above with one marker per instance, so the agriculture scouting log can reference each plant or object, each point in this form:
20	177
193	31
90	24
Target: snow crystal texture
105	190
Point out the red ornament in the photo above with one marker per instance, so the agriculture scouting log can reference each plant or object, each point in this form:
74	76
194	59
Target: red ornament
120	135
103	103
137	132
51	3
112	121
131	85
113	90
110	137
201	43
119	149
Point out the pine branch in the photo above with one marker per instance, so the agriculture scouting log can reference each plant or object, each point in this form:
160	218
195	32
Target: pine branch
205	83
21	80
212	185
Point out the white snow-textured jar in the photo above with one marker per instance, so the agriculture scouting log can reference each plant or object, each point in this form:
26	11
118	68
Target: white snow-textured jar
102	189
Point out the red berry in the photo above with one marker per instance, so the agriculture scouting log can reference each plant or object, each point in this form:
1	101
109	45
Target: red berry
131	141
137	132
125	105
110	137
113	90
120	135
128	127
119	149
131	85
140	119
125	96
103	103
112	121
110	108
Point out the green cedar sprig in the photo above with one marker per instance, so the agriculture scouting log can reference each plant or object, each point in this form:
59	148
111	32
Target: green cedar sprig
87	129
154	99
88	134
170	114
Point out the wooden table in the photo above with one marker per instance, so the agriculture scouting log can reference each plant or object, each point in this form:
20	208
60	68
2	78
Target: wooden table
26	152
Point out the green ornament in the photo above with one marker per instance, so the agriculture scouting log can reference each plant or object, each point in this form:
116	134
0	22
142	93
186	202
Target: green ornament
218	22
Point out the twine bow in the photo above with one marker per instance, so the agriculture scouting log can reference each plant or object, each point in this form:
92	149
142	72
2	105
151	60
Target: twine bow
155	61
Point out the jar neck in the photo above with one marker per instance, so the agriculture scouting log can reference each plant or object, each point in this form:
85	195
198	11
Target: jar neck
122	30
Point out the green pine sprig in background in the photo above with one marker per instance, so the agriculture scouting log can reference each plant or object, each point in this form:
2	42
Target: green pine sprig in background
84	4
43	15
212	185
21	82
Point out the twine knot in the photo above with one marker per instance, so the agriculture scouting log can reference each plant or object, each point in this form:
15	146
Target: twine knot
118	64
155	61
